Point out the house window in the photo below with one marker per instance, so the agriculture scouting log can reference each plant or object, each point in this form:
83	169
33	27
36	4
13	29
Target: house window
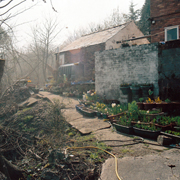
171	33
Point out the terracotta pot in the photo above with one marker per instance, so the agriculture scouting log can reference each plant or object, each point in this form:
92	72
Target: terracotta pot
149	106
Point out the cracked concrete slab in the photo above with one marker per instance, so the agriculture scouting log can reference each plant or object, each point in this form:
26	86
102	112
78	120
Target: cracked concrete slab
149	167
88	125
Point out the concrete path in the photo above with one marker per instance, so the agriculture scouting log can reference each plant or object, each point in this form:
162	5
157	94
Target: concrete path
145	160
164	166
83	124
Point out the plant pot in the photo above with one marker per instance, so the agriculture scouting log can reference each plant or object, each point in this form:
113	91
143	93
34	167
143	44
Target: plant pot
140	105
123	129
149	106
98	114
105	116
87	112
79	106
135	90
113	117
146	133
174	137
125	90
145	90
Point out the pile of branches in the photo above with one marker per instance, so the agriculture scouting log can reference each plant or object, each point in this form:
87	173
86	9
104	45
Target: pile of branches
32	144
28	157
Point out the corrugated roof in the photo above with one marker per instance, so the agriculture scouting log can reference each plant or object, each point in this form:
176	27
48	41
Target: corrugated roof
94	38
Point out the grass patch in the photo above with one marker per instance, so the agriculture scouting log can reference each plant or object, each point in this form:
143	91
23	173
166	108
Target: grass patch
90	154
124	151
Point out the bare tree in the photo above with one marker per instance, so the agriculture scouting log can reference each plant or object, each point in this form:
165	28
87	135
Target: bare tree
8	6
42	46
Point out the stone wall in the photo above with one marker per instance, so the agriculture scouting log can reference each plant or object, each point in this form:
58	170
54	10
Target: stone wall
135	64
165	13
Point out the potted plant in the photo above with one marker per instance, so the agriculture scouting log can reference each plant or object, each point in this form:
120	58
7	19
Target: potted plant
147	131
165	122
149	104
140	103
161	105
133	112
125	87
145	88
173	134
123	125
135	89
115	111
151	114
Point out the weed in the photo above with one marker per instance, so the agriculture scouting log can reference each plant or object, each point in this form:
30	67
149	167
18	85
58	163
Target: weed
145	144
26	119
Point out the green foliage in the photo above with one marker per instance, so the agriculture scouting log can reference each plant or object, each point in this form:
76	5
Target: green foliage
173	132
144	23
124	120
133	14
150	92
93	155
133	111
168	100
147	127
150	112
165	120
141	99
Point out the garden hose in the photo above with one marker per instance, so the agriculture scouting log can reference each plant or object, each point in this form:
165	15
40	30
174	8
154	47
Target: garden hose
90	147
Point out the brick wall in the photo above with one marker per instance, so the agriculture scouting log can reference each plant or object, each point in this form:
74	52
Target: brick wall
135	64
165	13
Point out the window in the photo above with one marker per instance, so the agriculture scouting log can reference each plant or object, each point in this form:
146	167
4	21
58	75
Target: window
171	33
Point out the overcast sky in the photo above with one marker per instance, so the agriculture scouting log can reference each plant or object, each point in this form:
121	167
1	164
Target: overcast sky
73	14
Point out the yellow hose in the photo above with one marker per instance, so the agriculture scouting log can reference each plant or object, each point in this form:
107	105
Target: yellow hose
88	147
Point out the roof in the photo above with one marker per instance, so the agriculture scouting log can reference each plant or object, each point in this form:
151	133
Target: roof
94	38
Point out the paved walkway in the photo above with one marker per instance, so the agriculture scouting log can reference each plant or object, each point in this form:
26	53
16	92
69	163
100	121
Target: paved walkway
140	161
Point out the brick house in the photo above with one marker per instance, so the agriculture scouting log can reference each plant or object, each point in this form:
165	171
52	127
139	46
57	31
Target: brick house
82	50
165	20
